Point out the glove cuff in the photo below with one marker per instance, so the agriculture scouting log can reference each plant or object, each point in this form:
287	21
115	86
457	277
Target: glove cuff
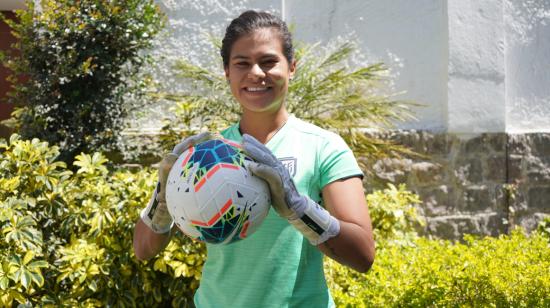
148	213
316	223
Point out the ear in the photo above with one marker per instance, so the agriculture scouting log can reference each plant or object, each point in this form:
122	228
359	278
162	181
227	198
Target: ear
292	68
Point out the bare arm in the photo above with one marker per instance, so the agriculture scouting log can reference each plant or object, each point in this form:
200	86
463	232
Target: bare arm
354	245
147	243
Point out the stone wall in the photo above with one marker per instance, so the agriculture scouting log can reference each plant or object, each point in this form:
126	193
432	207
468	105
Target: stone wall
480	184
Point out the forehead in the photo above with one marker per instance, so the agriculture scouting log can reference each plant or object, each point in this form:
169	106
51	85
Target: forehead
260	41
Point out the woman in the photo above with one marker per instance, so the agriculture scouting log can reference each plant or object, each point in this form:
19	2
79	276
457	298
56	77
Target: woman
281	264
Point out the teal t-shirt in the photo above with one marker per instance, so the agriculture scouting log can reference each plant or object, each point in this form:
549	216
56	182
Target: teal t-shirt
276	266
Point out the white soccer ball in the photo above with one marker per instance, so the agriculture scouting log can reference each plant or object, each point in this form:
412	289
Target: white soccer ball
211	195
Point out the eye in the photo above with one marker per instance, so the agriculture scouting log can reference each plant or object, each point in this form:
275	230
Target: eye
241	64
270	62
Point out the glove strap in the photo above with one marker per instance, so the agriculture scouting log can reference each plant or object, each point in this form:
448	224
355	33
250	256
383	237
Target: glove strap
316	223
148	213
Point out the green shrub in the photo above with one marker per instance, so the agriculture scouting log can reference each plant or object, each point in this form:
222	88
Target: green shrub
394	214
76	69
66	237
508	271
544	227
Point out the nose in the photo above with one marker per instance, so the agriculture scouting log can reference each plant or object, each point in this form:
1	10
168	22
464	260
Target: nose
256	73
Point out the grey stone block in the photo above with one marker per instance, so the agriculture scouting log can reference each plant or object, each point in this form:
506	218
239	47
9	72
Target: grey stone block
436	201
426	173
476	199
539	198
499	198
515	169
476	145
493	224
496	168
538	170
392	169
541	144
452	227
469	171
436	144
518	144
531	220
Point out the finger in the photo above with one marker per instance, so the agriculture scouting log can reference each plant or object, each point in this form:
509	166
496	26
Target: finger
266	173
273	180
165	166
191	141
258	151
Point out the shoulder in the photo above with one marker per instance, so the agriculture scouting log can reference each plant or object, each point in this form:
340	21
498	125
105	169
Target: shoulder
312	131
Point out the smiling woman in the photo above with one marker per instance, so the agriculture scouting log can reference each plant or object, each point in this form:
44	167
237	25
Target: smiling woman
313	177
258	72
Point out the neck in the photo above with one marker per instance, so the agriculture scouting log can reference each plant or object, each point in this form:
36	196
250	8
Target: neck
263	126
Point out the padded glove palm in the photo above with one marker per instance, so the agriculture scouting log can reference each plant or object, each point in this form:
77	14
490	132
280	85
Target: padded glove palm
313	221
156	214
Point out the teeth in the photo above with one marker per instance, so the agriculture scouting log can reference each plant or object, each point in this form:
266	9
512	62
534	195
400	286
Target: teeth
256	89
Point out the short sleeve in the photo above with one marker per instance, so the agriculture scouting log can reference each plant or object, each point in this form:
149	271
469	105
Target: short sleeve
336	161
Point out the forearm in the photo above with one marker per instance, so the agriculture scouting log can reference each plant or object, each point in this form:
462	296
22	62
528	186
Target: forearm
353	247
147	243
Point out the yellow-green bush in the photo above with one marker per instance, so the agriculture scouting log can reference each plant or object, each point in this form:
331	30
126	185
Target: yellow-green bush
66	237
66	241
508	271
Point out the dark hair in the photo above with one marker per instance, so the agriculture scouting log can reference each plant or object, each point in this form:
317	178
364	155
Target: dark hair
249	21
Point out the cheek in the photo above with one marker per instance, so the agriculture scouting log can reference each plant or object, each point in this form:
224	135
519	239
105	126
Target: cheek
279	77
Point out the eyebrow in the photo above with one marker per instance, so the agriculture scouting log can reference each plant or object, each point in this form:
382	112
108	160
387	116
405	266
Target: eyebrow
267	55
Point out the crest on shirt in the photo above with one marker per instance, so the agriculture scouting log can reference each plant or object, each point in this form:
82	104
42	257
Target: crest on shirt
290	164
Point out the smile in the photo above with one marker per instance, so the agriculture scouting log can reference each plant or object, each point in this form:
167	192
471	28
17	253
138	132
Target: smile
257	89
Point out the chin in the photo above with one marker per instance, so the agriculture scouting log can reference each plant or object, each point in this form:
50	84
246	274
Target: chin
262	107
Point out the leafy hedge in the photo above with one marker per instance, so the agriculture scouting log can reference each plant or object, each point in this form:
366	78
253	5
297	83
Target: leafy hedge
508	271
66	237
66	240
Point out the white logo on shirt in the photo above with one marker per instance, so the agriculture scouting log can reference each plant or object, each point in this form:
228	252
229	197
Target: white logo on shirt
290	164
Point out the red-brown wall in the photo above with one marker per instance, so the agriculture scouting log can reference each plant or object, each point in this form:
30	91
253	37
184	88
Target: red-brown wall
6	39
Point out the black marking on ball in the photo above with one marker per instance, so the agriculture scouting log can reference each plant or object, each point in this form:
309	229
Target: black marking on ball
239	194
187	190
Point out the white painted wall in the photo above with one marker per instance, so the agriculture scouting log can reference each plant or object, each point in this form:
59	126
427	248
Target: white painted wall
476	85
414	32
477	66
527	66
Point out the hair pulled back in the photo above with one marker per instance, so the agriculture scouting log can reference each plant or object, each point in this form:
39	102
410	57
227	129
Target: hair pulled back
249	21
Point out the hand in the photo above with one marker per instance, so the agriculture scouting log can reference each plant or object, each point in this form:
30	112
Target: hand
313	221
156	214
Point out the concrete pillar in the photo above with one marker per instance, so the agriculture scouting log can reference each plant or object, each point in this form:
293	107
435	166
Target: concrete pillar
476	87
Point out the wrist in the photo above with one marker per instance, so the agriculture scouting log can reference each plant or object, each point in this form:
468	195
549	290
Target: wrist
155	227
315	222
155	216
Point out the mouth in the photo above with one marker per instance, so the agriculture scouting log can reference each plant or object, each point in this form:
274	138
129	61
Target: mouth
257	89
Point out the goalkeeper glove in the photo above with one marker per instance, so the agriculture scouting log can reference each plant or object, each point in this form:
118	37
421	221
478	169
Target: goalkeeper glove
313	221
156	215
